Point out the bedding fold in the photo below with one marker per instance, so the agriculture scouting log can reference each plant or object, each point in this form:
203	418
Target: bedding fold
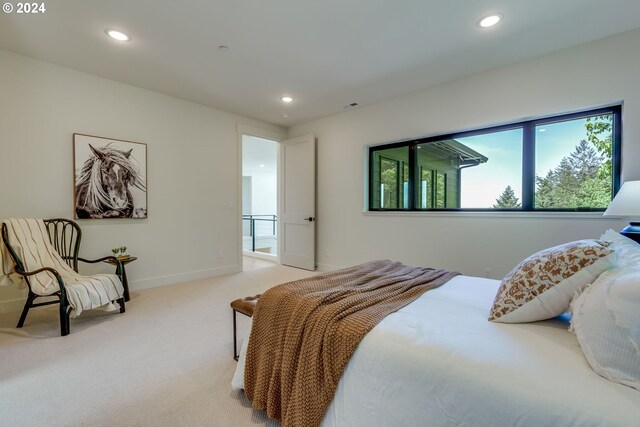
304	333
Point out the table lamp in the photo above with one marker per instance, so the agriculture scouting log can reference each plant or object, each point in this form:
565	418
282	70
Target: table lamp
627	203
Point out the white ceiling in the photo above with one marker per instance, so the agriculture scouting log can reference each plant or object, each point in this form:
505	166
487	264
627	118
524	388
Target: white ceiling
324	53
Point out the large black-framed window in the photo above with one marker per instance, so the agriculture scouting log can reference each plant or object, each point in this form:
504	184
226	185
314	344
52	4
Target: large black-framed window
568	162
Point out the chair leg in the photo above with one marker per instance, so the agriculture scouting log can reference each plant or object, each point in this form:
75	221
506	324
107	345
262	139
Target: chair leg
25	310
235	344
121	302
65	327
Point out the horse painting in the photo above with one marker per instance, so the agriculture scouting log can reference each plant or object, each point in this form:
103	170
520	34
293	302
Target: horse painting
103	186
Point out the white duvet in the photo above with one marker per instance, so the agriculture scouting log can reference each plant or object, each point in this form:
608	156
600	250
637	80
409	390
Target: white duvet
439	362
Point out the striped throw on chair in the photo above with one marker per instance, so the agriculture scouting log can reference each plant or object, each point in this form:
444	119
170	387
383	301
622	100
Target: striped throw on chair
29	238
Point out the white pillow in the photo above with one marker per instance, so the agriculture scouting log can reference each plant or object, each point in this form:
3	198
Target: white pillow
606	320
627	250
543	285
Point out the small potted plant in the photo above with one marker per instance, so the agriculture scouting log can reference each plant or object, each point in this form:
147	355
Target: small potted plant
120	253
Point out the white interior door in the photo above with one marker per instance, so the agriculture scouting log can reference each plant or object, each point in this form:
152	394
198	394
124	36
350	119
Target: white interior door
297	202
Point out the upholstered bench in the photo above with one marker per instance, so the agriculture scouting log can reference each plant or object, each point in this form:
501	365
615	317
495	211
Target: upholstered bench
245	306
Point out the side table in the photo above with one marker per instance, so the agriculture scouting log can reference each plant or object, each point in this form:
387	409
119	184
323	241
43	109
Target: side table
125	282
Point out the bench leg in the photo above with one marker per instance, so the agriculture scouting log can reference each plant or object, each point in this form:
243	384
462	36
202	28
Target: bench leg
235	342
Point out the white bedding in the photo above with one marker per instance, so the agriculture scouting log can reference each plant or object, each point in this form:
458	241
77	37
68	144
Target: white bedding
439	362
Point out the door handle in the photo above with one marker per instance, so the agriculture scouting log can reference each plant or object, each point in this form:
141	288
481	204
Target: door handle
310	219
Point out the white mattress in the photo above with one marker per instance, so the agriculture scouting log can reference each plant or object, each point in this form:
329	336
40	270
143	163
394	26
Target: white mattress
439	362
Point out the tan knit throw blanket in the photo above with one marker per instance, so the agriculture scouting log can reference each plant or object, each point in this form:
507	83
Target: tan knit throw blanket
304	333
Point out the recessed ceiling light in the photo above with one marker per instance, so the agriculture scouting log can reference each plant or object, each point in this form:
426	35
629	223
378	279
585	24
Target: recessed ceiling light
490	21
118	35
287	99
261	166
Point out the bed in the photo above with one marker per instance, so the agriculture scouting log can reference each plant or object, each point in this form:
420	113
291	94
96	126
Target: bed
439	362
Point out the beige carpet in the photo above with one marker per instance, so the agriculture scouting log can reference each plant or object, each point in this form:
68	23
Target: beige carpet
166	362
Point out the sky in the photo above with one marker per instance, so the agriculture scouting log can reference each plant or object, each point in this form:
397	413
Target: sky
483	184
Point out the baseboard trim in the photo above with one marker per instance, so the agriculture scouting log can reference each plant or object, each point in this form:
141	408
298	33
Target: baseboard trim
171	279
326	267
16	305
268	257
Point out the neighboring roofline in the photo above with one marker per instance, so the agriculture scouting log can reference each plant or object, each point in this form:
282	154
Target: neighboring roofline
465	153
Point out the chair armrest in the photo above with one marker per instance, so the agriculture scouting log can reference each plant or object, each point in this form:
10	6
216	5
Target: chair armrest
40	270
43	269
106	258
116	262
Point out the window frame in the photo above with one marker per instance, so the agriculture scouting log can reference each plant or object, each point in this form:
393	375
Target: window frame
528	161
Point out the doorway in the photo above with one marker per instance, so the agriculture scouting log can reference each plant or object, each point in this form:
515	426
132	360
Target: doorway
259	197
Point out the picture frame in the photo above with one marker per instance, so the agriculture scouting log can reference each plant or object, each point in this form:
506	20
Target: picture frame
110	178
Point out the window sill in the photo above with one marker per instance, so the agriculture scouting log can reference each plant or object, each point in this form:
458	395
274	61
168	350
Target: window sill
497	214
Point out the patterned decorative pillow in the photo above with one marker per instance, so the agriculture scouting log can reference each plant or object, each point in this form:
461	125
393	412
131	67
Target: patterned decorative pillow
543	285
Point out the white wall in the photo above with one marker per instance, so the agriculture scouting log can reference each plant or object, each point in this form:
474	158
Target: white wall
193	172
264	193
596	74
260	162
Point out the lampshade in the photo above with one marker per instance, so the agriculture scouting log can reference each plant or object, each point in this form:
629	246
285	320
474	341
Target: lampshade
627	201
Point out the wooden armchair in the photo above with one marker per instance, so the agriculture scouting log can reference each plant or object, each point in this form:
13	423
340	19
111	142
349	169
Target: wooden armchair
46	254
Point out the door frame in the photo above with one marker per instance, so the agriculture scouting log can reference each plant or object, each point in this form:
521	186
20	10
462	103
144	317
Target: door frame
272	135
